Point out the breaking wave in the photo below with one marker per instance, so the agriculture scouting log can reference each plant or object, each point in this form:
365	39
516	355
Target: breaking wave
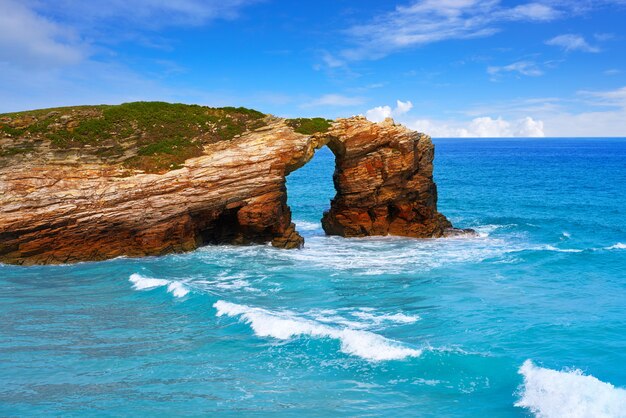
140	282
554	394
618	246
286	325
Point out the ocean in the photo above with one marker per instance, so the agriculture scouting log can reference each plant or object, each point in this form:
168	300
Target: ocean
526	319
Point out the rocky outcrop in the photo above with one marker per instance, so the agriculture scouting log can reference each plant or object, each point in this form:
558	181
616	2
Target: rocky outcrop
62	211
384	182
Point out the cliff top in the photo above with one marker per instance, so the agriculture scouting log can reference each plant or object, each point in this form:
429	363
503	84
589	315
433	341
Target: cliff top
149	136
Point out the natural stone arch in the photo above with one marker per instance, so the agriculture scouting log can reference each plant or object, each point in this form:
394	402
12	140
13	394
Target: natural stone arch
383	180
56	212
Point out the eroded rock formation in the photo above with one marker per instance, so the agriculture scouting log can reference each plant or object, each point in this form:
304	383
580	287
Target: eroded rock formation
61	211
384	182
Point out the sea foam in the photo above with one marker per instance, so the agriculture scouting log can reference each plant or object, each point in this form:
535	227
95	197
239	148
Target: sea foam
140	282
285	325
308	226
550	393
618	246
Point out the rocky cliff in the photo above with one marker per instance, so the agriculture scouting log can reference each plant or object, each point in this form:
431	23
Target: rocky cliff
94	183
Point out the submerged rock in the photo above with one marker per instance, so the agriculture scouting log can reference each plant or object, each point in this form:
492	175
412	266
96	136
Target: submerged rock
78	203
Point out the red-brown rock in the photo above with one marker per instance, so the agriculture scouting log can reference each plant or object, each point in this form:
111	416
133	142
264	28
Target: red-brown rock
66	211
384	182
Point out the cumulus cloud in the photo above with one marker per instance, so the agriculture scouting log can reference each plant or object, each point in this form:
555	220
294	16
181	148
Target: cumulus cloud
572	42
528	68
380	113
589	113
476	128
483	127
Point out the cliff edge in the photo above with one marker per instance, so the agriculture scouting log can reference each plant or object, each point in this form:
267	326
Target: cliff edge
97	182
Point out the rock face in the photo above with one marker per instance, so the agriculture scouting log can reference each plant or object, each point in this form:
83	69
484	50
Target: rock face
62	212
384	182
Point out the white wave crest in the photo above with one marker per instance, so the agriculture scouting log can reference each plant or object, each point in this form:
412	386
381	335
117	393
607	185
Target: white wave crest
550	393
398	318
361	318
285	325
546	247
559	250
140	282
143	283
618	246
177	289
484	231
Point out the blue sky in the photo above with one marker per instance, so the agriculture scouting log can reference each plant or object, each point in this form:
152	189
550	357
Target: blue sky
445	67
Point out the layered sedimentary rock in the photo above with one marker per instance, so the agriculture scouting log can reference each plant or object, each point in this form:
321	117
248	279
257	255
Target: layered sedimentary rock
69	210
384	182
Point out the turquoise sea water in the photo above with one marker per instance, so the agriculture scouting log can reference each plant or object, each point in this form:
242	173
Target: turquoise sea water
528	319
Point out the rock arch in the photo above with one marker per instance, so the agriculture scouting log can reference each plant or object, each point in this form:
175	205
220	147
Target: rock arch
57	212
383	180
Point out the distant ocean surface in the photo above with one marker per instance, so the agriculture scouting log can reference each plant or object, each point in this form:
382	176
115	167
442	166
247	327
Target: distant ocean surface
528	319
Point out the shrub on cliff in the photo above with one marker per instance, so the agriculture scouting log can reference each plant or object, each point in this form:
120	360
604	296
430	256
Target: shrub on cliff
309	126
151	136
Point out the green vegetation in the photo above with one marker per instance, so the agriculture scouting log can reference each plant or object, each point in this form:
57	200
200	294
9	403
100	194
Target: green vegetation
151	136
309	126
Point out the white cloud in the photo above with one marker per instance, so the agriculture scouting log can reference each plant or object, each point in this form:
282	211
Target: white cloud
533	11
331	61
380	113
483	127
603	36
30	37
144	13
527	68
478	127
612	98
30	40
337	100
572	42
587	124
403	107
528	127
587	114
55	53
428	21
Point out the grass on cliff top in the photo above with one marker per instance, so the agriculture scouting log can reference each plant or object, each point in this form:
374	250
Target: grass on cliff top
151	136
309	126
